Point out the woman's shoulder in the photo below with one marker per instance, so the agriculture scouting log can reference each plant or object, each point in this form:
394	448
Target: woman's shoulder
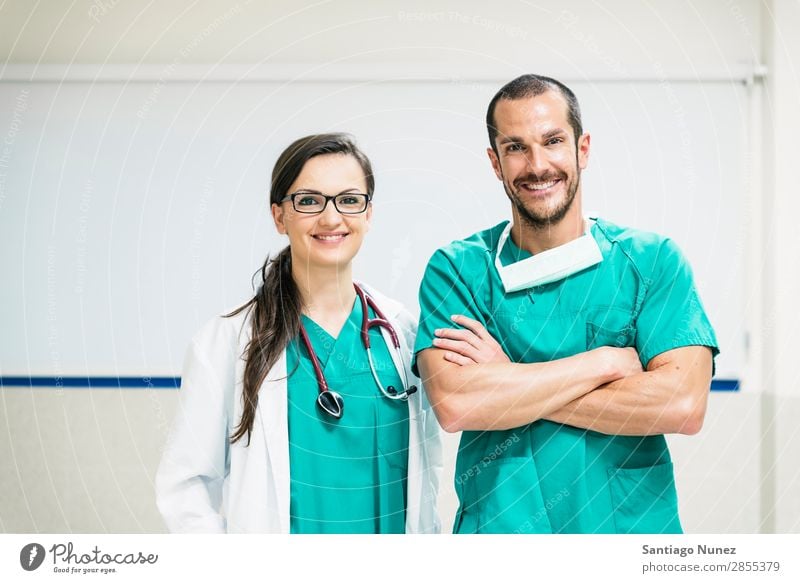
225	328
394	309
388	305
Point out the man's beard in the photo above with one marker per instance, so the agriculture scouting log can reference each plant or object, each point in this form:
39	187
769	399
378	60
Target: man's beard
555	215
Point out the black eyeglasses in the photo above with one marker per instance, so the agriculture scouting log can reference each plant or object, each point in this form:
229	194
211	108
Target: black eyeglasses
347	203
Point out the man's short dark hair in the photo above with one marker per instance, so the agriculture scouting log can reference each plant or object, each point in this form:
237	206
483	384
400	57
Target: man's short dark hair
530	86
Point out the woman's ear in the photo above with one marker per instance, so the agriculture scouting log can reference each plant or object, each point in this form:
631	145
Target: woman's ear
369	215
278	216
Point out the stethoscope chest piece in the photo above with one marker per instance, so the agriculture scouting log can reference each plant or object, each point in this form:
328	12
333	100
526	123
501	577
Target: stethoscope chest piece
331	403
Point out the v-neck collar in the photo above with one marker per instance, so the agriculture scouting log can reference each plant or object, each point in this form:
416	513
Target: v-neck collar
511	253
323	342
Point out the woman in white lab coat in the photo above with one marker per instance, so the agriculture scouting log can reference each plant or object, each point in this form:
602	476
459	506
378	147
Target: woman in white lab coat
284	423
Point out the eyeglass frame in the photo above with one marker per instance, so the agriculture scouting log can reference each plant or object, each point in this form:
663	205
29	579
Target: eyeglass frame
291	197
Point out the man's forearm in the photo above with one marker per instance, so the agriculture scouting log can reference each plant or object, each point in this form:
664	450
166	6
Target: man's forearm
630	406
496	396
665	399
669	398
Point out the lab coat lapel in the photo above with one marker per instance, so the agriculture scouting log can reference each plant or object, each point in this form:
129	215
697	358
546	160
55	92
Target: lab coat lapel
416	438
272	407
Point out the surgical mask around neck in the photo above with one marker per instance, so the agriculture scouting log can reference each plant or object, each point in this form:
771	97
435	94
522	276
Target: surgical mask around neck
548	266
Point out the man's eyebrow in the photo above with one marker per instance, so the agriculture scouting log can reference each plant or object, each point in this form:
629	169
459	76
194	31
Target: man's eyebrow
518	140
510	140
553	133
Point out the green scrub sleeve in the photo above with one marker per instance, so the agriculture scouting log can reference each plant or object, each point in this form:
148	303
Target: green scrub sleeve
672	315
443	293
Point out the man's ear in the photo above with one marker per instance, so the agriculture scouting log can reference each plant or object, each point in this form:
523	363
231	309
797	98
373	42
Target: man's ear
584	143
498	171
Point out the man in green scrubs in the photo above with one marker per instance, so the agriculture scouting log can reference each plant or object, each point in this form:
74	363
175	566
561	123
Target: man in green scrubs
563	348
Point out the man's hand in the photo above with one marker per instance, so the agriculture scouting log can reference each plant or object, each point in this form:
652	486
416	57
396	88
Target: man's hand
624	360
473	344
469	345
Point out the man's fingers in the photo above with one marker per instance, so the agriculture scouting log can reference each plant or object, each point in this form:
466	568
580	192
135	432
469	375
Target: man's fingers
457	358
459	334
470	324
457	346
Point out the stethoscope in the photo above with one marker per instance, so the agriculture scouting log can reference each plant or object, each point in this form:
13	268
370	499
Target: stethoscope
332	402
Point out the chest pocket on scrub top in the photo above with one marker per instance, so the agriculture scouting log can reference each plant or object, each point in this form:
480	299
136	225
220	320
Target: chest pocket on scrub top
610	327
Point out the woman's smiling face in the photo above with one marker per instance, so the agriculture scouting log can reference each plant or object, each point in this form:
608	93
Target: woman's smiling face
328	238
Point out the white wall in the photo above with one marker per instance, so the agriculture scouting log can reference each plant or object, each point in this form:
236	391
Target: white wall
781	251
60	451
157	215
568	38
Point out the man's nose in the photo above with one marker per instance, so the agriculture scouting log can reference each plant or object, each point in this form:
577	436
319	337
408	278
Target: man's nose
537	161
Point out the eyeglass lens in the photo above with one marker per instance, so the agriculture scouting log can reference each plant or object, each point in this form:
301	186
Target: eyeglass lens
346	203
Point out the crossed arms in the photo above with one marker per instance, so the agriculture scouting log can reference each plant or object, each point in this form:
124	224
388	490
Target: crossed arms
472	385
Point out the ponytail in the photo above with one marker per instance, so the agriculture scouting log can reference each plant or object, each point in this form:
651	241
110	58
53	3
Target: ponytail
275	320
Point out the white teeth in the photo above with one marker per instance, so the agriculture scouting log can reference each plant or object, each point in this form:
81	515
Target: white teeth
329	237
539	185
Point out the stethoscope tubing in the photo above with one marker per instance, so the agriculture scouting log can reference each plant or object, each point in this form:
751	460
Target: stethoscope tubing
332	402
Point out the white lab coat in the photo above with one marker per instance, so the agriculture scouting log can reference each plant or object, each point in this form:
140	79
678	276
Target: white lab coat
205	484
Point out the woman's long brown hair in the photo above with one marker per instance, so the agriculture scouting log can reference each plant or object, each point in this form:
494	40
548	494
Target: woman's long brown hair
277	306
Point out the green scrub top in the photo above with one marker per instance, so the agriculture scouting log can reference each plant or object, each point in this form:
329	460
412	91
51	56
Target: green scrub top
347	475
547	477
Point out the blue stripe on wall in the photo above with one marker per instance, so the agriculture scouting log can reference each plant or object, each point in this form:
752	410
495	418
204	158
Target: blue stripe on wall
724	385
143	382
